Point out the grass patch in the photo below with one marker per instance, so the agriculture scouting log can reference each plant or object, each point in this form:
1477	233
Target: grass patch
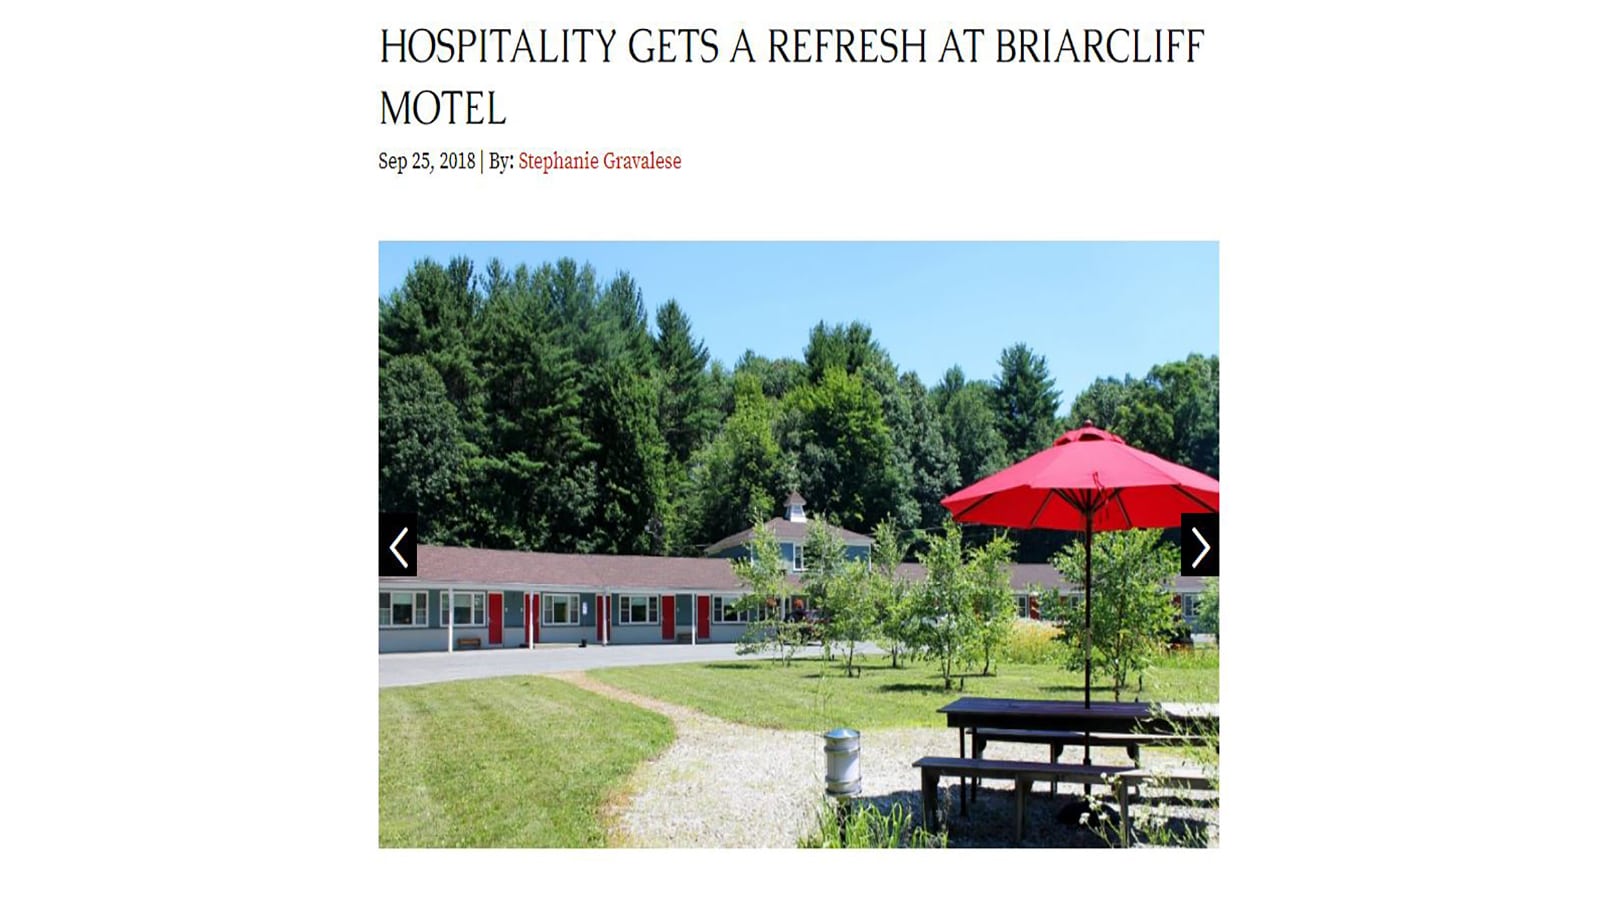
814	695
505	762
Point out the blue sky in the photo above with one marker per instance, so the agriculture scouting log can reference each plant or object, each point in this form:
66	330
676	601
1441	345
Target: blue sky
1092	309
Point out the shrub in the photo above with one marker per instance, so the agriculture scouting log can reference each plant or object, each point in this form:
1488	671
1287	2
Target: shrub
1033	642
1206	610
1179	632
867	827
1157	821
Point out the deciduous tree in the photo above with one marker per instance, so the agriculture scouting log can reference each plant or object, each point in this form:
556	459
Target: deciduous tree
893	597
945	602
1131	598
993	604
765	575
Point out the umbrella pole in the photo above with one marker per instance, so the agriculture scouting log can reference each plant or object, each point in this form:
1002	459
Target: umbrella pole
1088	627
1088	617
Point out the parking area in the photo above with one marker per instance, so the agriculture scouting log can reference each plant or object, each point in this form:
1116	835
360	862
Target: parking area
395	669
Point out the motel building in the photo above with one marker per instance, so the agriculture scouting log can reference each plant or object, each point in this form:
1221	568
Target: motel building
470	598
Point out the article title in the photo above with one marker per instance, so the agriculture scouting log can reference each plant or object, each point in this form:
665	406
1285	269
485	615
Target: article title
412	105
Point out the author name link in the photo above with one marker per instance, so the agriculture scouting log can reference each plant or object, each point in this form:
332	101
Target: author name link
499	162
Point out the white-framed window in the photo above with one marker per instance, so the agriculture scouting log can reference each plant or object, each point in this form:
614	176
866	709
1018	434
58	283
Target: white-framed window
724	610
638	609
559	609
799	557
1189	601
402	609
1022	606
469	606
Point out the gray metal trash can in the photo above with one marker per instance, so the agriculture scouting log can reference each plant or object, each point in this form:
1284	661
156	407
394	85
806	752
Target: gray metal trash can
842	750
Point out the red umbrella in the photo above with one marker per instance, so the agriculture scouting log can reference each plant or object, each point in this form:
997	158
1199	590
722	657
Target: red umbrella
1089	480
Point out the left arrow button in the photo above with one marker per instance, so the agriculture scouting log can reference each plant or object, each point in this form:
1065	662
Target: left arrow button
397	545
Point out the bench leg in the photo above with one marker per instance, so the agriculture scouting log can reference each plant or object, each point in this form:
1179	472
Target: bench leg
930	800
1024	788
1122	802
962	783
1133	753
1055	757
979	743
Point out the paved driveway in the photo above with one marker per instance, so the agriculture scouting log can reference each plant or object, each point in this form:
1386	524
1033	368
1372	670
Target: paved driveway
423	668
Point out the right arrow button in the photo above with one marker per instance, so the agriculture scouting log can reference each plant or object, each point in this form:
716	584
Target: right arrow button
1202	544
1204	547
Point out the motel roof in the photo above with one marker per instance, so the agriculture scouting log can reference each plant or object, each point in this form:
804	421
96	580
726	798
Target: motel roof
787	530
600	572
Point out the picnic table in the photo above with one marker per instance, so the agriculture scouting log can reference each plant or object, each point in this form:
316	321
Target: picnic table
968	714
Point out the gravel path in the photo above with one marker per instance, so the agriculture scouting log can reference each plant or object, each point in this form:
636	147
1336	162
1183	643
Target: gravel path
722	784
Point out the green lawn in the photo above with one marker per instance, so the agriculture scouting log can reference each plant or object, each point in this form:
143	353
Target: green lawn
505	762
813	695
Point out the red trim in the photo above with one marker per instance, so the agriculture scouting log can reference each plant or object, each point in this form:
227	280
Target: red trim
669	615
1033	606
497	619
702	623
535	608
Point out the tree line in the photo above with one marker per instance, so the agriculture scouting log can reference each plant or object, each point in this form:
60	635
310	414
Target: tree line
545	409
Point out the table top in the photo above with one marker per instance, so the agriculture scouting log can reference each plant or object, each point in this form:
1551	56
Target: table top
1000	712
1044	708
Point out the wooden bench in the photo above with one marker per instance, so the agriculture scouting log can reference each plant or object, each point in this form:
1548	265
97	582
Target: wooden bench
1059	740
463	643
1024	774
1123	780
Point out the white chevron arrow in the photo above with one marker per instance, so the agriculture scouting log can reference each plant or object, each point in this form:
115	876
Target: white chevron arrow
1197	535
405	565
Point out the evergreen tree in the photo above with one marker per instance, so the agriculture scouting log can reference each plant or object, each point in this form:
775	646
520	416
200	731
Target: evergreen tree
1025	402
421	453
525	490
926	466
688	415
848	347
432	316
970	427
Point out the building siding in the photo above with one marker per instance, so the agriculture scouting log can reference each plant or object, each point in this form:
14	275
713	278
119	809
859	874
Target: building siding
434	636
409	640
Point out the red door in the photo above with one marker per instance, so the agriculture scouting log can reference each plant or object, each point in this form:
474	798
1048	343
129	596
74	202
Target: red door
527	620
600	617
703	617
497	613
669	613
534	605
